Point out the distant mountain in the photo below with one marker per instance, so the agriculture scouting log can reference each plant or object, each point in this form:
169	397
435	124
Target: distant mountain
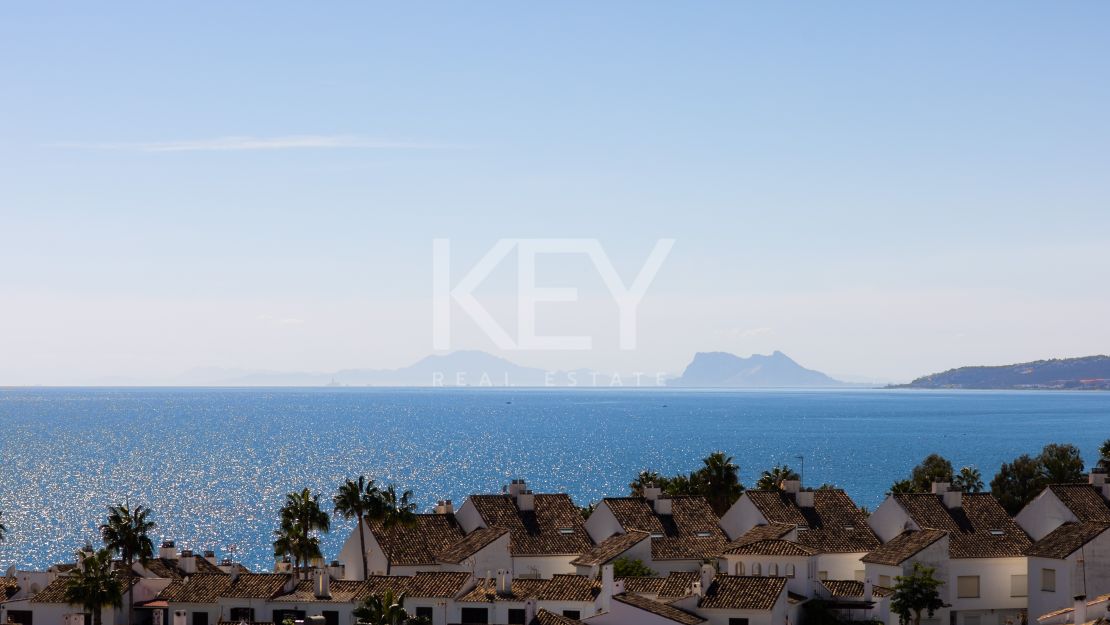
724	370
1088	373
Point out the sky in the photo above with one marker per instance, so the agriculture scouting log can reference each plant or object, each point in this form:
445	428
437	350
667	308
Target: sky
878	190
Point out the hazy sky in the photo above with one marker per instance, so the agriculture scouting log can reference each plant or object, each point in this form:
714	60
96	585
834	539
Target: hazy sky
873	188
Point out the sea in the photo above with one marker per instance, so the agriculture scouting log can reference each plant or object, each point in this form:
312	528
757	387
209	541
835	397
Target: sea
214	464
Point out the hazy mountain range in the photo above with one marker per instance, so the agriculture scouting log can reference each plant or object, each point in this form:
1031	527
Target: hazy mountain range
724	370
1087	373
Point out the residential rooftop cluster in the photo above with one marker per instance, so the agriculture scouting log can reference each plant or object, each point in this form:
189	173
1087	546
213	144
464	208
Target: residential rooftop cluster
776	556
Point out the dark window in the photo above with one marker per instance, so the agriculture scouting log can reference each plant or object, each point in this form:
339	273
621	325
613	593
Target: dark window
200	618
23	617
424	612
475	616
574	614
516	616
281	615
242	615
331	617
738	621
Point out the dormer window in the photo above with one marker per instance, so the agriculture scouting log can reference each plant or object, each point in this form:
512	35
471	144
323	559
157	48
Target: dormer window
566	530
997	532
656	534
848	528
703	534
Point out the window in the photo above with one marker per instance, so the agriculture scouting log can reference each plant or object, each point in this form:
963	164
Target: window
239	615
23	617
773	569
790	570
884	581
973	619
967	586
516	616
566	530
703	534
756	570
574	614
200	618
738	621
1048	580
739	568
281	615
331	617
475	616
1019	585
425	611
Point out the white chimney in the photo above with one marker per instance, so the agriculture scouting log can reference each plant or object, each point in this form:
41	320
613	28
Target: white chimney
939	488
953	499
1106	490
321	583
179	617
607	585
526	501
168	550
804	498
336	570
1097	476
211	557
868	590
188	562
1079	612
445	507
283	566
791	486
652	492
708	574
529	610
517	487
663	506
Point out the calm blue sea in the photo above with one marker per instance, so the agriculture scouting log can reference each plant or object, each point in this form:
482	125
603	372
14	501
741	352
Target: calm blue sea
215	464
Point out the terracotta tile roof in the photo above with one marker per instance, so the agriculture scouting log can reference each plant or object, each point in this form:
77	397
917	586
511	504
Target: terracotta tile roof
898	549
852	588
663	610
833	525
559	588
1084	501
1066	539
418	545
342	591
55	591
171	569
436	584
1068	610
543	617
677	584
643	585
771	531
203	588
554	527
730	592
690	532
979	528
610	548
376	585
470	544
771	548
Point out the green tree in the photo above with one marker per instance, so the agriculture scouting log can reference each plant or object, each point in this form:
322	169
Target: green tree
680	485
934	468
644	479
631	567
772	480
969	480
360	500
398	512
916	593
127	533
719	481
301	519
902	487
384	609
1017	483
1104	452
1061	464
93	585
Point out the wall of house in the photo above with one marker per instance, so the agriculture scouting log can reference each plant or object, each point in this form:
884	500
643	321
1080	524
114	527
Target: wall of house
1085	572
55	613
624	614
889	520
468	518
211	609
492	557
841	565
1043	515
764	617
741	517
542	566
350	555
994	583
640	551
602	524
439	608
801	582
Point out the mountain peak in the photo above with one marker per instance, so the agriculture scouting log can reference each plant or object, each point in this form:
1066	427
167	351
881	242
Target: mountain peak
725	370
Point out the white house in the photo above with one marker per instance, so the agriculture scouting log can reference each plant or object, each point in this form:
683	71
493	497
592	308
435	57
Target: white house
977	549
517	601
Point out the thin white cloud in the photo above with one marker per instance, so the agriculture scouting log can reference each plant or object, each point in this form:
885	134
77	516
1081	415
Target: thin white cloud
244	143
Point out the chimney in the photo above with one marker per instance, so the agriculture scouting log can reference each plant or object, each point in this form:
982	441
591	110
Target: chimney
321	583
526	501
234	573
211	557
337	570
445	507
790	486
530	611
953	499
179	617
804	498
939	488
1097	476
168	551
607	586
868	590
663	506
188	562
1079	613
283	566
708	574
517	487
652	492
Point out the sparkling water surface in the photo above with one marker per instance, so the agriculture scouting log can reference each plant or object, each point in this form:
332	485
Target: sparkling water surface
215	464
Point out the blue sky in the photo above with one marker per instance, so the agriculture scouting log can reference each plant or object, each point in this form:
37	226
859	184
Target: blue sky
876	189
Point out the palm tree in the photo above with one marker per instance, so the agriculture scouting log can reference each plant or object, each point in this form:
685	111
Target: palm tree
361	501
127	532
397	512
93	585
382	610
646	478
301	517
773	479
720	478
969	480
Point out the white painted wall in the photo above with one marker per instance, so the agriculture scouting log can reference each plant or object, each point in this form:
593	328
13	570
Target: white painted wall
1043	515
889	520
602	524
841	565
741	517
